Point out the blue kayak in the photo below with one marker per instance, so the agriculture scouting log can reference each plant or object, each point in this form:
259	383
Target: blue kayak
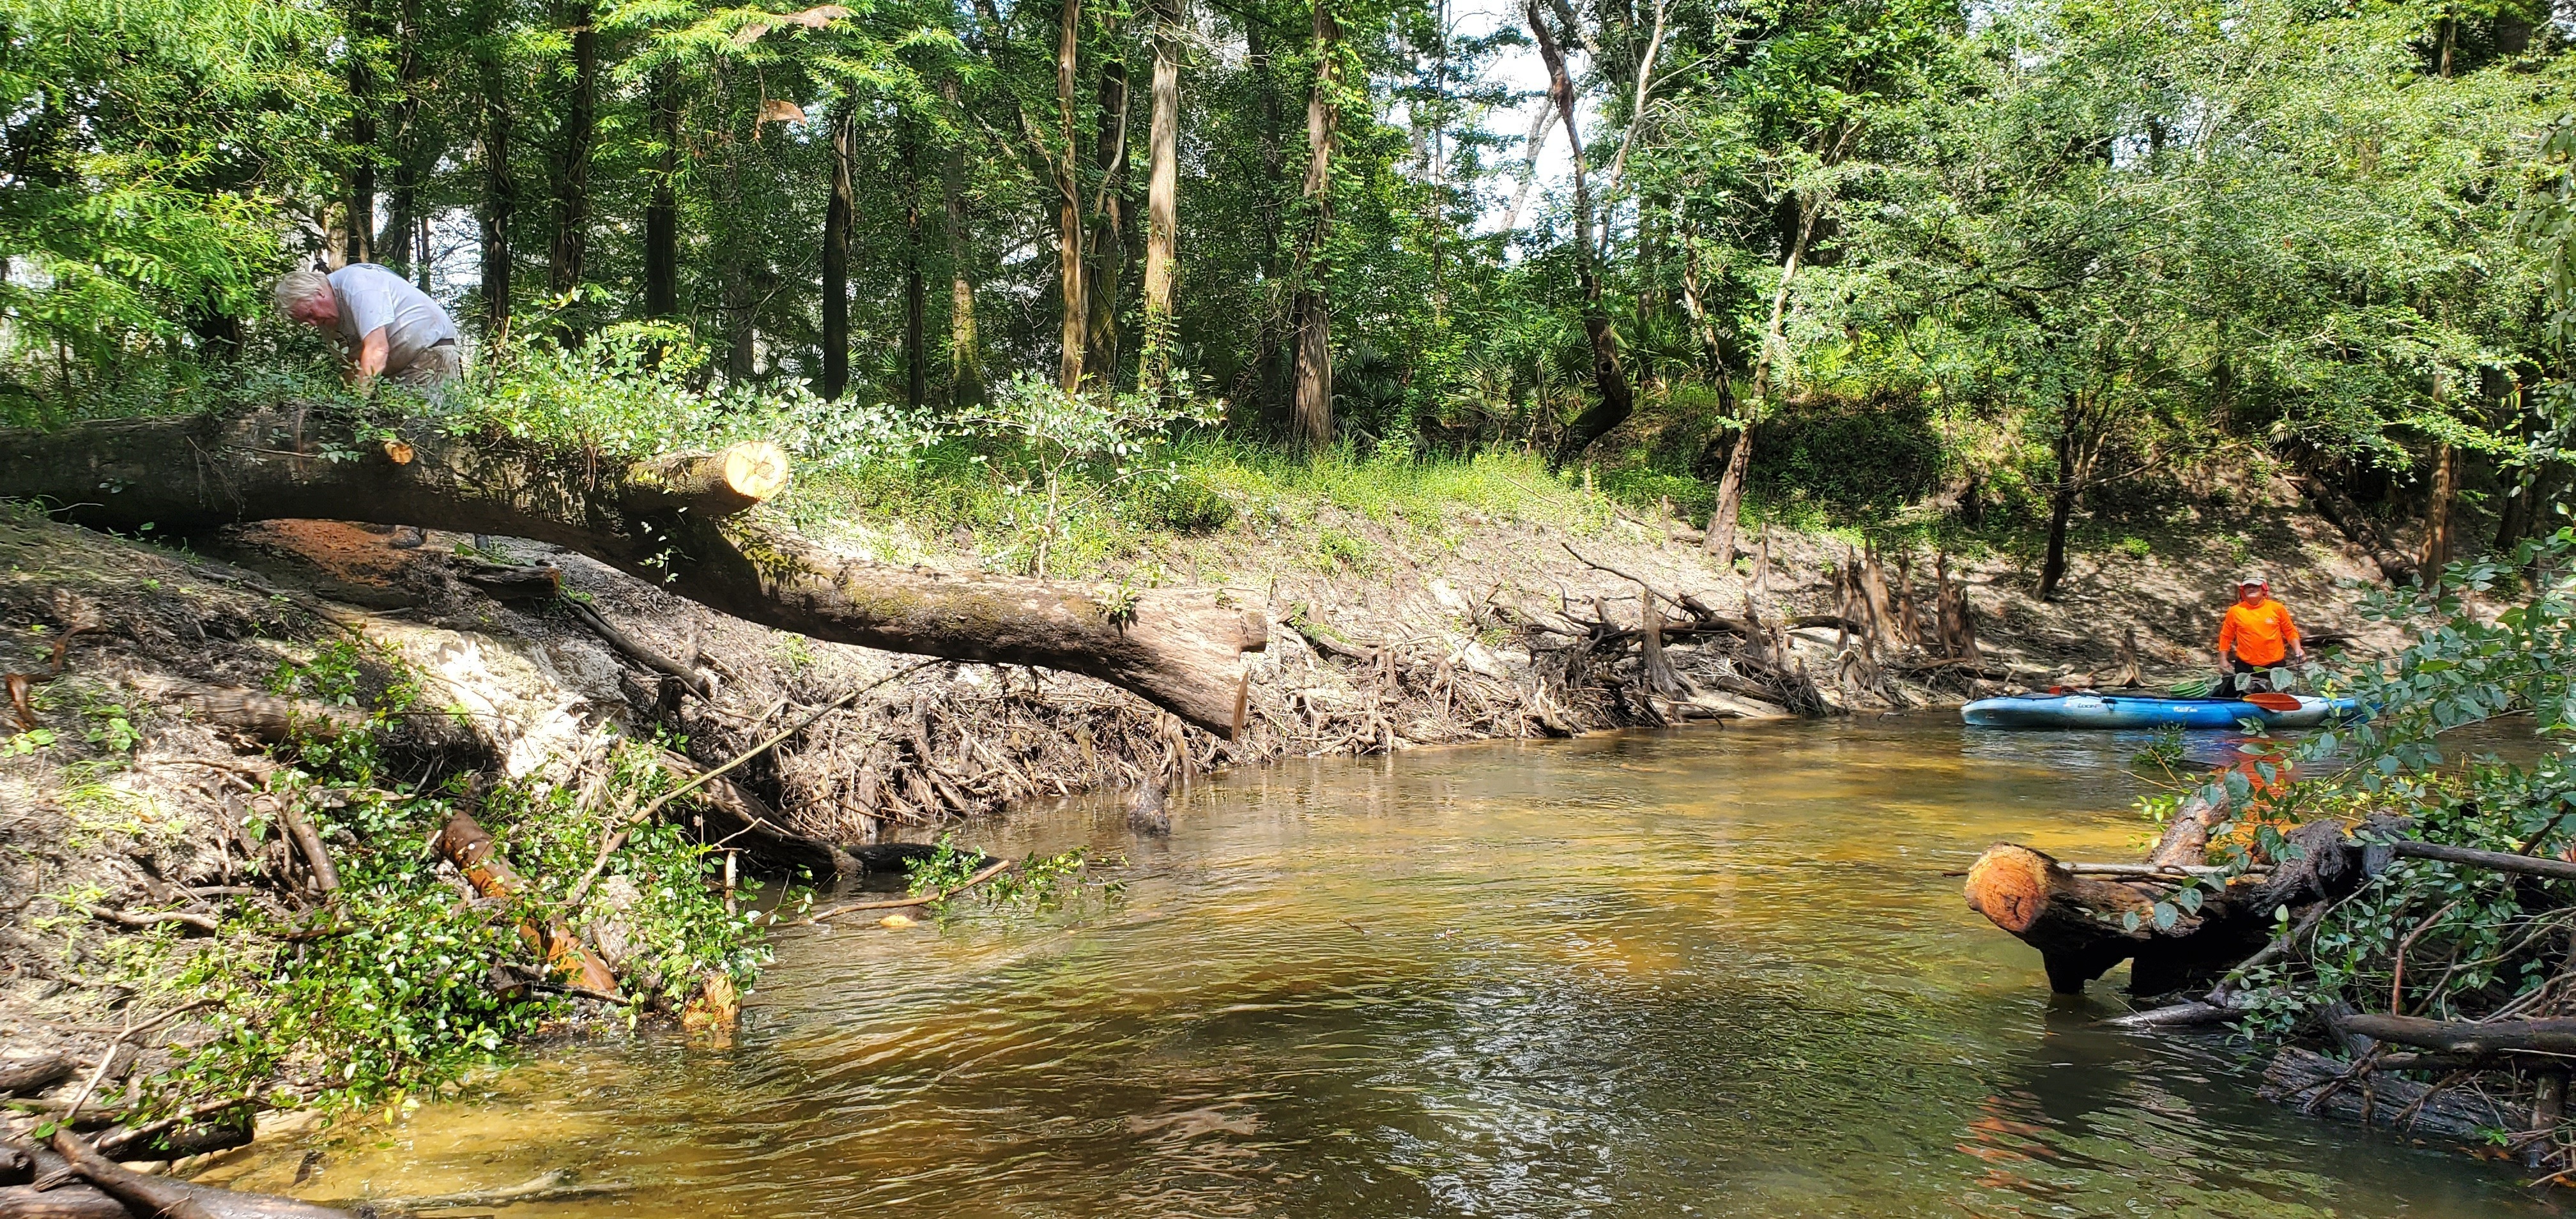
2087	710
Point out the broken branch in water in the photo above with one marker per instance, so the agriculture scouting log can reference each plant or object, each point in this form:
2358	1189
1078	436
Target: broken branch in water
559	1185
988	872
2473	1038
2499	861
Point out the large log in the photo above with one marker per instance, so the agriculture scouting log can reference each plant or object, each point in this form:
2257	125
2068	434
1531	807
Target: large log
2081	924
681	521
33	1073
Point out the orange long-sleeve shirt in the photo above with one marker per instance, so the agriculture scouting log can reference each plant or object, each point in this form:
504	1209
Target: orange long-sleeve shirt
2258	635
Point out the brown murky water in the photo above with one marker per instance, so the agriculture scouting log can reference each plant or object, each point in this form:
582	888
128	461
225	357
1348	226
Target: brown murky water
1697	973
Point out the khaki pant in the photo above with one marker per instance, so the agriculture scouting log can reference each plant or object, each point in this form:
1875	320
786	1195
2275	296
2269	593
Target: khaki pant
430	369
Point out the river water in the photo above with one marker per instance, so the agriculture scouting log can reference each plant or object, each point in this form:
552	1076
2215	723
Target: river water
1696	973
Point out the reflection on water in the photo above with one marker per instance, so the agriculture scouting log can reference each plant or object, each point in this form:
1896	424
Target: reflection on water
1695	973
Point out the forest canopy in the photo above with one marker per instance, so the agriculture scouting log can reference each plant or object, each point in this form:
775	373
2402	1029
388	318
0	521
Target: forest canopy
2014	255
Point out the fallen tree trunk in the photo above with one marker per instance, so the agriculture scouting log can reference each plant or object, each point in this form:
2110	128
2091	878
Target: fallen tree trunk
64	1202
680	521
173	1199
269	718
2084	925
2357	528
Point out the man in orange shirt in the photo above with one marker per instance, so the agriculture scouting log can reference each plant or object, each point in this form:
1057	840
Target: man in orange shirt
2256	635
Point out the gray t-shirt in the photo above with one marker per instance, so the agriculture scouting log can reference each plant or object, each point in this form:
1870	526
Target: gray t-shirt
372	297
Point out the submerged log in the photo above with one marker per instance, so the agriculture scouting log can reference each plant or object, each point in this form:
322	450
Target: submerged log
680	521
2314	1083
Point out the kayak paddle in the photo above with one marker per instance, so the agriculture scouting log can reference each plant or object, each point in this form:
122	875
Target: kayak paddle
2273	702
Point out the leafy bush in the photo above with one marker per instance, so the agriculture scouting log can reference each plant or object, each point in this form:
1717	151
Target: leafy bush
2479	940
391	987
1859	457
1185	504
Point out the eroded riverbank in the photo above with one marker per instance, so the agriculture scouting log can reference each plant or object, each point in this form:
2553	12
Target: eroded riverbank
1713	972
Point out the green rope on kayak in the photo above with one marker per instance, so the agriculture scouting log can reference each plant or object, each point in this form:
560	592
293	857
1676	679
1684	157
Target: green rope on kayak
2197	687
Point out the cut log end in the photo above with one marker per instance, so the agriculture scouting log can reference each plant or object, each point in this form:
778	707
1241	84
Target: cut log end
756	471
2011	885
718	484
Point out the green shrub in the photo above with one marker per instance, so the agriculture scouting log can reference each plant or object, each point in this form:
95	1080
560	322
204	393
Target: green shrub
1185	504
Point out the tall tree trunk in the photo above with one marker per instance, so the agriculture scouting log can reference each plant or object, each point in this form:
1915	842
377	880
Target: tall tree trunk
1610	380
500	190
1074	333
2438	511
1109	223
1269	360
400	246
1530	148
565	258
662	209
1739	459
916	345
738	298
1312	422
1720	538
1723	520
359	243
838	212
2061	509
1162	198
965	362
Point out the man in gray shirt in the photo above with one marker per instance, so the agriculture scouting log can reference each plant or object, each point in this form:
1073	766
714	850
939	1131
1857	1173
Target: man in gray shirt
385	326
